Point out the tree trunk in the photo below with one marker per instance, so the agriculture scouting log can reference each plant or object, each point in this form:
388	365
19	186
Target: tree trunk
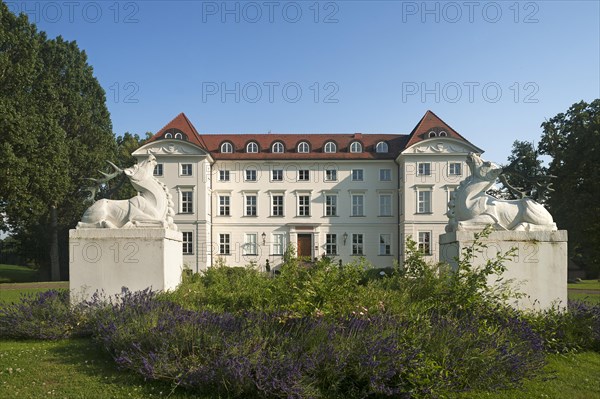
54	263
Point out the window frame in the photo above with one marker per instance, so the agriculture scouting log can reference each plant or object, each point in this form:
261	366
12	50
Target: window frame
387	246
334	174
356	207
331	246
187	242
358	244
330	147
250	244
303	175
224	244
248	173
389	205
251	205
382	147
277	148
423	201
224	204
454	164
226	148
252	148
421	243
303	207
331	208
280	207
158	170
279	174
277	244
185	203
360	172
356	147
184	168
224	175
426	168
385	174
302	146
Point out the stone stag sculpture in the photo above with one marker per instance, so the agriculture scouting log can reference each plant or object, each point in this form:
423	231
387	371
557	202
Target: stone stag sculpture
152	207
471	208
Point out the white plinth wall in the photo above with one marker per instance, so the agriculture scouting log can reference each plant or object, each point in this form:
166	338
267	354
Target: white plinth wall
109	259
539	269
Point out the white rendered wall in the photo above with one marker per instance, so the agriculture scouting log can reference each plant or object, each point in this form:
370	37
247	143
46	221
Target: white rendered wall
108	259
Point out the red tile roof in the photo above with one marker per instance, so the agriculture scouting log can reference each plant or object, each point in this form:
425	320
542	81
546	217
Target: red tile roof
396	142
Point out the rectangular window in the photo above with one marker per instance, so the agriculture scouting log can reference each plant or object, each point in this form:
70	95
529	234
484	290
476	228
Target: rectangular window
277	175
385	205
454	169
187	202
424	169
186	169
188	247
385	246
357	244
250	174
331	244
250	247
357	174
330	175
158	169
304	205
424	201
385	175
331	205
278	246
277	205
224	205
250	205
358	205
425	242
303	175
224	244
223	175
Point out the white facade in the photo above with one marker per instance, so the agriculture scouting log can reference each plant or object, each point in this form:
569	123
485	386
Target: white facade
246	206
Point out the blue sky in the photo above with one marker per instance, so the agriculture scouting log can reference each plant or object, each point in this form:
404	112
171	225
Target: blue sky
494	71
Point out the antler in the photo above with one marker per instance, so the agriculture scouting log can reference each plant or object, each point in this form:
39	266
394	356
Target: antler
540	188
93	190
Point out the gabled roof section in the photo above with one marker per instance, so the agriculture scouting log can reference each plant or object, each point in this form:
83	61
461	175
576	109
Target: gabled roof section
429	123
182	124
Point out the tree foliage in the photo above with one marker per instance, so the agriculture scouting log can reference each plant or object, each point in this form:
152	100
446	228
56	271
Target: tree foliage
55	130
572	139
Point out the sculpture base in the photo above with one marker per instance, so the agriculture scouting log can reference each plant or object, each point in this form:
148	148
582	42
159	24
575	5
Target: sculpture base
539	269
109	259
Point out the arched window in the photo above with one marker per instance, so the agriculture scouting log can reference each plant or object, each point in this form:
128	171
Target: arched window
168	135
356	147
277	147
330	147
432	134
226	148
178	135
381	147
252	147
303	147
443	134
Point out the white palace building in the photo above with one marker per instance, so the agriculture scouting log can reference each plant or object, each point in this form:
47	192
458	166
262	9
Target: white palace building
245	198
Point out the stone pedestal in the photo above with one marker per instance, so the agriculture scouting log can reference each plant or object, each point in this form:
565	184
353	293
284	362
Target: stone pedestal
109	259
539	269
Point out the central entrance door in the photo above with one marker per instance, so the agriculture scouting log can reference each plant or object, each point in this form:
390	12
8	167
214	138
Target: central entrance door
304	244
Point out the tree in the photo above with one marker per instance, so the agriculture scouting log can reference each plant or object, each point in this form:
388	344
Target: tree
55	129
525	173
572	139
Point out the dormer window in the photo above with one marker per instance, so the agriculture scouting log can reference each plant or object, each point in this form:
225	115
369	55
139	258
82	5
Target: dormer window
178	136
168	135
443	134
356	147
277	148
382	147
303	147
432	134
252	147
226	148
330	147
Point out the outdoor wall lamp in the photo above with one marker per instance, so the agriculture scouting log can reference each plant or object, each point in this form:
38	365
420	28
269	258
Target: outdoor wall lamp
345	237
264	237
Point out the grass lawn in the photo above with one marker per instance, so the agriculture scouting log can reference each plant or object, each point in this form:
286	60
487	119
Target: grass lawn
586	290
78	369
17	274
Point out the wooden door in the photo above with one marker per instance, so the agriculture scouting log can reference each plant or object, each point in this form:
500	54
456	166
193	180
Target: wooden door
304	244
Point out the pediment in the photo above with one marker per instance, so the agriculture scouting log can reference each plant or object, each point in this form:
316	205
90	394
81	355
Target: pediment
441	146
170	147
